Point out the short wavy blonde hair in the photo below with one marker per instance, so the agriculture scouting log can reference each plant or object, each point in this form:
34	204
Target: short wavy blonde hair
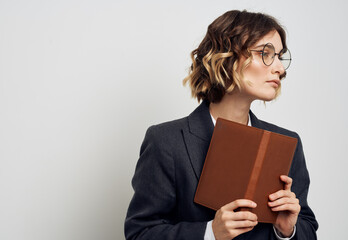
215	62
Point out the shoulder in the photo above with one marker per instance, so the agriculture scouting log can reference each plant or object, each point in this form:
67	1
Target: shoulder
277	129
271	127
169	129
166	133
169	126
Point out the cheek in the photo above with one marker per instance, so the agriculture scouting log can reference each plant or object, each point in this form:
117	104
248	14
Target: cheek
255	71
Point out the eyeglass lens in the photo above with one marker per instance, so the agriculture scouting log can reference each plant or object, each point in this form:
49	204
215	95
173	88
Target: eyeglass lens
268	55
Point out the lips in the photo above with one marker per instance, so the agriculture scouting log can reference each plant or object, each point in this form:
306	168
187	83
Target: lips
275	81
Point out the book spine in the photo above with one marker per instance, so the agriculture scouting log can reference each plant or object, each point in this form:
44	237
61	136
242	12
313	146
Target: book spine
255	173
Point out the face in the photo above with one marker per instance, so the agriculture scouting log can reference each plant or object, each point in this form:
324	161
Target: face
261	81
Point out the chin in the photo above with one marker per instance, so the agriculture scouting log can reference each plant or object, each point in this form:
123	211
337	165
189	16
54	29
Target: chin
267	98
263	94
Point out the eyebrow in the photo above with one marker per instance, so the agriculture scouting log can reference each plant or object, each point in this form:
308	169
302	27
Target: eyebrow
262	45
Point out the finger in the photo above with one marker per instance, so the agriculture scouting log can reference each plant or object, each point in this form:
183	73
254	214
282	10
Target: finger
287	180
239	203
280	194
283	201
294	208
243	224
244	215
225	215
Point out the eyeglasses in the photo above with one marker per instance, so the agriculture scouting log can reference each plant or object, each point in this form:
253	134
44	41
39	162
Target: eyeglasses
268	54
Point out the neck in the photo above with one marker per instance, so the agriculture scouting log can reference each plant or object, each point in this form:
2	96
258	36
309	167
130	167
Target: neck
232	107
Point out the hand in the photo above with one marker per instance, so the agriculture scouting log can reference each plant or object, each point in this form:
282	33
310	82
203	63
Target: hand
286	203
228	224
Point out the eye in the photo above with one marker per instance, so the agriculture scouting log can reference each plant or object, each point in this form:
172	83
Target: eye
266	54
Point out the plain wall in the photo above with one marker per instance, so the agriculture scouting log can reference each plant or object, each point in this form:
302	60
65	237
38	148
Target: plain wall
81	81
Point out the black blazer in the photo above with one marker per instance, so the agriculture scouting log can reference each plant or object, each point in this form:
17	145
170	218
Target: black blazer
167	173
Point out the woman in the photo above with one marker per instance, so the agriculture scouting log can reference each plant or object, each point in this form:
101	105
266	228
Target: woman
242	58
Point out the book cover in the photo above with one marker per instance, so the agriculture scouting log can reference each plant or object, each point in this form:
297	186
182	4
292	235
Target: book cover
244	162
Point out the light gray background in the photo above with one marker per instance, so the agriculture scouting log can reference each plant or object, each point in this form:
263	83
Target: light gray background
81	81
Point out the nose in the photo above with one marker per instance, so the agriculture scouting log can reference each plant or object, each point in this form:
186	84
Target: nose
277	66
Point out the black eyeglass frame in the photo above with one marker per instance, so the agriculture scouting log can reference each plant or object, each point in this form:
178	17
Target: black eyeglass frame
284	50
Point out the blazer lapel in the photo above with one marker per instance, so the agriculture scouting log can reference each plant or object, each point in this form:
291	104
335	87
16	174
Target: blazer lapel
255	122
197	136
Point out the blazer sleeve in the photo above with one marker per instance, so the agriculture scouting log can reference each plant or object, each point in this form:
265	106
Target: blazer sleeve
151	213
306	225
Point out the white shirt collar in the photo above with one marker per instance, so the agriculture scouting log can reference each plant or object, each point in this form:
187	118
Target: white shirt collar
214	121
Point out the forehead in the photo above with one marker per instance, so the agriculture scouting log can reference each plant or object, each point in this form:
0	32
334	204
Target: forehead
272	37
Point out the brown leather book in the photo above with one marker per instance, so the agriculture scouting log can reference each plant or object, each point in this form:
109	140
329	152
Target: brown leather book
244	162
